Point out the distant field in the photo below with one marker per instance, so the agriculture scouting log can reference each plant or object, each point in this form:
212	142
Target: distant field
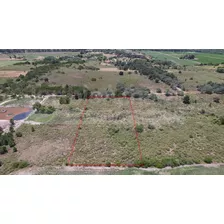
36	55
7	62
210	58
105	79
170	56
174	57
200	75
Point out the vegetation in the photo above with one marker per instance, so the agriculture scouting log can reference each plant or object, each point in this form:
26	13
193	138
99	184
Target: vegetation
64	100
186	99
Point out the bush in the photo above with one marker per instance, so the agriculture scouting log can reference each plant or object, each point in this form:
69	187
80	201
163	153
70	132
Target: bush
180	93
14	149
216	99
139	128
221	120
208	160
0	163
153	97
151	127
19	134
64	100
93	79
121	73
108	164
186	100
32	129
158	90
3	150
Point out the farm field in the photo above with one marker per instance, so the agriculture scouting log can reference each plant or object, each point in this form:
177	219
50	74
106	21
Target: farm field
204	58
197	75
210	58
170	56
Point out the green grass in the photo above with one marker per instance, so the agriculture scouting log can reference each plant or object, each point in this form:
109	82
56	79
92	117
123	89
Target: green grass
204	58
8	63
104	79
210	58
170	56
200	75
42	118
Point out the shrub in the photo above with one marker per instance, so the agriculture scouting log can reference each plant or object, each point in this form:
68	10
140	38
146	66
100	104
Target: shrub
156	80
64	100
168	93
0	163
108	164
121	73
221	120
216	99
151	127
153	97
208	160
14	149
12	121
139	128
158	90
19	134
202	111
186	100
93	79
32	129
180	93
180	72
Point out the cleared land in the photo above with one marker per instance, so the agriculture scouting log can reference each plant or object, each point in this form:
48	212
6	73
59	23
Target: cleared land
180	131
11	74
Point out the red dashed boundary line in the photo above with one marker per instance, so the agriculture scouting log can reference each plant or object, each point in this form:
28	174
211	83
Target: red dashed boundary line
80	124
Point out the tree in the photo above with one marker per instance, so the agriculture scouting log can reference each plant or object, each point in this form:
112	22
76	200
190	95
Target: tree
139	128
12	121
37	106
11	129
186	100
14	149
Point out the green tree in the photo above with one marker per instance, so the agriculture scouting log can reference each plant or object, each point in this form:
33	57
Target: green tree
186	99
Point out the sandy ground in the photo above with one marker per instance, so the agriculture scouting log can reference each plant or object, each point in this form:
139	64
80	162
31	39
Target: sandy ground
109	69
5	74
67	170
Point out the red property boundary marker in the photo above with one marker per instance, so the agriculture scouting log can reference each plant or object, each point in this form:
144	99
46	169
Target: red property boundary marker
80	123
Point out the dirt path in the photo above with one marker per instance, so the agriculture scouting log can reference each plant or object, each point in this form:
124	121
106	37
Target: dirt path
64	170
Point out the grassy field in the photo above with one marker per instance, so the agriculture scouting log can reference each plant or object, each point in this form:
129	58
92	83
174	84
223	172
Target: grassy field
210	58
197	75
170	56
204	58
104	79
107	131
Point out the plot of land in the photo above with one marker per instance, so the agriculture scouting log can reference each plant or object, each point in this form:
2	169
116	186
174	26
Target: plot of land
106	134
11	74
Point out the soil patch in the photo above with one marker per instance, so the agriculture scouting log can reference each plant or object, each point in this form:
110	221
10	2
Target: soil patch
11	74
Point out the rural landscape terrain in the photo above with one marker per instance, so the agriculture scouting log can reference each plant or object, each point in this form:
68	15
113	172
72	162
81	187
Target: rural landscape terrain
108	111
